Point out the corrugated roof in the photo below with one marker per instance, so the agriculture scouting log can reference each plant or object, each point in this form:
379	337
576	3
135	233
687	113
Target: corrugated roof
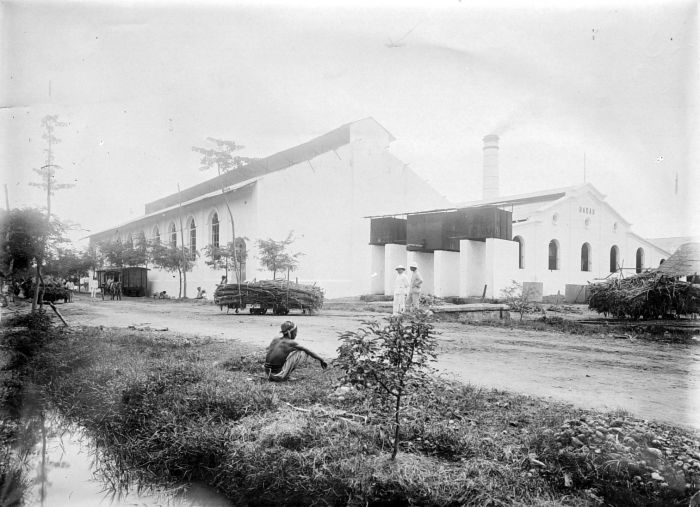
174	208
259	167
684	261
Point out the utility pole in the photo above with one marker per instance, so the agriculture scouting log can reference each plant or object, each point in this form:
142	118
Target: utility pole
7	199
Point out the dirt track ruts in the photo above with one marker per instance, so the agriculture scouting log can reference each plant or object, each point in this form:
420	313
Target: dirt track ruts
652	380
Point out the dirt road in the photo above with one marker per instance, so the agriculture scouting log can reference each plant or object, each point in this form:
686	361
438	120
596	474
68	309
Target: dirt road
651	380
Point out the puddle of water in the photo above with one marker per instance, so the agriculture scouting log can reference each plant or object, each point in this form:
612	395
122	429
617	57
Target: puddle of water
61	471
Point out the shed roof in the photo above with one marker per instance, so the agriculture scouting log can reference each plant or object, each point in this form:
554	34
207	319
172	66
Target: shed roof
684	261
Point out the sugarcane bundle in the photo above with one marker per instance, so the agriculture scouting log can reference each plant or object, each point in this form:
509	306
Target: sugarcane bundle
647	295
50	292
270	294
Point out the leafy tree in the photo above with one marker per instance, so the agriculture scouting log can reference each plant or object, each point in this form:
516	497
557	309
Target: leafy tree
120	254
390	359
218	257
24	232
48	176
274	256
67	263
223	159
169	257
519	300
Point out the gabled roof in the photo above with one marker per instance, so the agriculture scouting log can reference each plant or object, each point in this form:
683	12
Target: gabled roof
645	241
547	199
259	167
684	261
543	196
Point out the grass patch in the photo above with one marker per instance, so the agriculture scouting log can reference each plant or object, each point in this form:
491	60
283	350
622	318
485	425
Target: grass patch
571	326
167	409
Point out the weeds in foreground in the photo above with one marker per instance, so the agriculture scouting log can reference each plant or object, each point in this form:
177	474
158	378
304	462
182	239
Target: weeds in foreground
167	410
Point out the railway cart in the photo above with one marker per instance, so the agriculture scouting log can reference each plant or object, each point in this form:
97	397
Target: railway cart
134	280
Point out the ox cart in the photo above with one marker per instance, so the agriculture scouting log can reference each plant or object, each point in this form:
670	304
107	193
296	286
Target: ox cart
134	280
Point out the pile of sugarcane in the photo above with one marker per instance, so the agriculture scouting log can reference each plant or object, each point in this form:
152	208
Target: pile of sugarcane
49	292
275	294
649	295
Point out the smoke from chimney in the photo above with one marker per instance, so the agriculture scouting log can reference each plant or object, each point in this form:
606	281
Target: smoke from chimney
491	185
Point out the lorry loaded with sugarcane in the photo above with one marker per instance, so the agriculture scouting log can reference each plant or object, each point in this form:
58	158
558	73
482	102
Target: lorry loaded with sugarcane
279	296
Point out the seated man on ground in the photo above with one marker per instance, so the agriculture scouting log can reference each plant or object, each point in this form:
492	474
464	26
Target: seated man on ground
285	354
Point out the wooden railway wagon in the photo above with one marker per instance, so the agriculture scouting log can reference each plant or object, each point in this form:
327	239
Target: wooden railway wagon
134	280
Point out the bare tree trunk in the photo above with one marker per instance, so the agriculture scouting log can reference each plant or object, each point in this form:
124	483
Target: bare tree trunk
398	426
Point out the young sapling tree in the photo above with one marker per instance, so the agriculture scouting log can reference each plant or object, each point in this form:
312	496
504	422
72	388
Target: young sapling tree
391	359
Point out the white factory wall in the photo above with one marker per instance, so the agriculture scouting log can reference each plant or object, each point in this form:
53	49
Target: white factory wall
573	222
325	201
243	207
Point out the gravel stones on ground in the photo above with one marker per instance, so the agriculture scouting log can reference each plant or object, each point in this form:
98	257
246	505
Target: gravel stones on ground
656	454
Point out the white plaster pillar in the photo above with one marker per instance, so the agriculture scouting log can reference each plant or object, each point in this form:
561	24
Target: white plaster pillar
377	282
393	255
447	273
471	267
425	268
501	265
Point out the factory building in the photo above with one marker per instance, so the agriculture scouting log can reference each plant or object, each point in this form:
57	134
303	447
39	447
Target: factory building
555	238
345	189
320	190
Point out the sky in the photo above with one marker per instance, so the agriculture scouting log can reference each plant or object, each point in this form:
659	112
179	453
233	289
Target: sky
602	90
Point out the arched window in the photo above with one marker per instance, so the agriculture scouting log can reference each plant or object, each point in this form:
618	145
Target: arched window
241	256
662	261
614	259
156	235
521	251
173	234
639	261
554	254
215	230
585	257
192	227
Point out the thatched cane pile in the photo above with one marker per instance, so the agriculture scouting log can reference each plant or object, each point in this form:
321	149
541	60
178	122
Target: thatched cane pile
649	295
275	294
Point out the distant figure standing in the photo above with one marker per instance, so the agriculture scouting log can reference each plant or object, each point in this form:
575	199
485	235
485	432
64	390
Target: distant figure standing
92	284
401	284
414	292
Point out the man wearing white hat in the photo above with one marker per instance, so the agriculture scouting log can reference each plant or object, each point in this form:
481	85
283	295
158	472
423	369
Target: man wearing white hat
401	284
414	292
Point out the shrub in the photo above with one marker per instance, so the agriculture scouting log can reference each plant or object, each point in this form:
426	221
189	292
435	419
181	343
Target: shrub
391	359
518	299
